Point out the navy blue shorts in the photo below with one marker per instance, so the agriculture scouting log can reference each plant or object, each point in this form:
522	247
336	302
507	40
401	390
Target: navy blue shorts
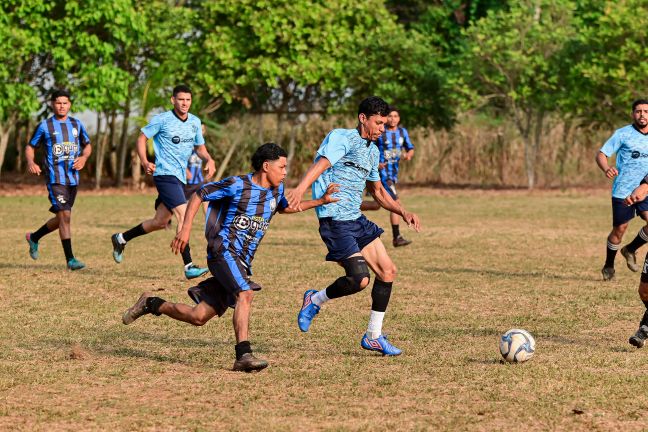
170	191
189	189
61	197
390	187
345	238
622	213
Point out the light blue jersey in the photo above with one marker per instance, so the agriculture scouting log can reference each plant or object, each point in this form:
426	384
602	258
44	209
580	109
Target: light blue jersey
354	161
631	148
173	142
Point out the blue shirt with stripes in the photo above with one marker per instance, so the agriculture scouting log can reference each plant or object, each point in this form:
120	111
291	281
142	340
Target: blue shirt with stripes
195	169
631	148
390	145
238	216
63	142
173	142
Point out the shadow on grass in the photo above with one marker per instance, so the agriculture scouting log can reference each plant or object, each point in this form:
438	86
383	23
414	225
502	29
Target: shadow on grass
501	273
484	361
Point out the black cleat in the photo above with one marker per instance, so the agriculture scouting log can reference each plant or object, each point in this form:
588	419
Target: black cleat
639	338
118	249
631	259
249	363
400	241
608	273
137	310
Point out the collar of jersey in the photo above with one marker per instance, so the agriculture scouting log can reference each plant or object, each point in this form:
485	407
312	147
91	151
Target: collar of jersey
176	116
367	142
271	189
637	129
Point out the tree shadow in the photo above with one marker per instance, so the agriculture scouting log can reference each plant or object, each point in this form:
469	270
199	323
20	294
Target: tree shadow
501	273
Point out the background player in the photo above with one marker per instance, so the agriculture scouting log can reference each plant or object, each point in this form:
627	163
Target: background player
349	157
630	143
240	210
175	134
67	149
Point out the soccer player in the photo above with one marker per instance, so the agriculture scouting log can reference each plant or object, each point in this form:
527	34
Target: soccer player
240	210
67	149
350	158
175	134
195	178
630	143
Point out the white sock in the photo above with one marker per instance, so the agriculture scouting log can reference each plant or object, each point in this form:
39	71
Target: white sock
319	298
120	239
374	329
188	266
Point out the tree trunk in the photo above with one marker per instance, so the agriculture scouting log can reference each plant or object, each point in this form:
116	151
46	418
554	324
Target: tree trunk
292	144
112	157
223	165
100	143
123	145
260	128
20	142
136	170
5	130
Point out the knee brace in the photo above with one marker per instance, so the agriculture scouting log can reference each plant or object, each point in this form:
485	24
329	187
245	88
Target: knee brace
356	270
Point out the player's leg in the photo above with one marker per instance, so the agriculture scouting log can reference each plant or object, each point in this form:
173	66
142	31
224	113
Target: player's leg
621	216
157	222
148	303
191	271
639	338
629	251
51	225
397	238
66	196
245	360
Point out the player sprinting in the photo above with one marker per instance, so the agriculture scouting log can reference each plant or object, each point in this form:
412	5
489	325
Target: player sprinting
350	157
67	149
175	134
240	211
630	143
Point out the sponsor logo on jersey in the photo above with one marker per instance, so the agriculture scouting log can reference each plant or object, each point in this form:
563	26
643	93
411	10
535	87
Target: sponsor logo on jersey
356	166
175	140
251	224
66	148
637	154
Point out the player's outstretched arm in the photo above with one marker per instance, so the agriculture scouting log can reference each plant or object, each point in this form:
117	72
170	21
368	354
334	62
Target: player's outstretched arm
602	162
307	205
80	162
294	196
182	237
32	166
385	200
210	165
149	168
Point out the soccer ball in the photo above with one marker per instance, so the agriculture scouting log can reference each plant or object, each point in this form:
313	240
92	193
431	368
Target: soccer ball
517	346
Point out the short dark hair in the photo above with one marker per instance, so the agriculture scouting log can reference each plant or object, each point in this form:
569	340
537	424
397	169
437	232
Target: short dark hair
373	105
393	108
181	89
267	152
639	102
60	93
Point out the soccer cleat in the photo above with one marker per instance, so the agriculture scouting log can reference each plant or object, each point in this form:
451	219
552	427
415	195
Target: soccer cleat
608	273
307	312
249	363
118	249
380	344
400	241
137	310
639	338
75	264
33	246
631	259
193	271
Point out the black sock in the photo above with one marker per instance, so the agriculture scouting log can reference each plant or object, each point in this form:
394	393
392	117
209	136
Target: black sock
153	305
134	232
640	240
644	319
67	248
396	230
610	254
186	255
42	231
380	295
242	348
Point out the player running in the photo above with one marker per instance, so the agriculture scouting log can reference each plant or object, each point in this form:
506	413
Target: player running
175	134
67	149
350	157
240	211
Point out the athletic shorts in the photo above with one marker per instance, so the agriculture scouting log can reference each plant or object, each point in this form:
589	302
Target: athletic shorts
170	191
622	213
345	238
229	277
189	190
390	187
61	197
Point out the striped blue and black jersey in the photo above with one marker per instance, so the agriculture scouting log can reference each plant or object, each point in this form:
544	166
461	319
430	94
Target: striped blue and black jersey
195	169
390	145
63	141
238	216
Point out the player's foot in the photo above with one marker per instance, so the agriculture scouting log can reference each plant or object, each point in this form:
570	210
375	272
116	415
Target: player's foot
249	363
307	312
193	271
33	246
75	264
380	344
608	273
631	259
137	310
639	338
400	241
118	249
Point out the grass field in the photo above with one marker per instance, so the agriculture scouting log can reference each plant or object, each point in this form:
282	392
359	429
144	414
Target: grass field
483	263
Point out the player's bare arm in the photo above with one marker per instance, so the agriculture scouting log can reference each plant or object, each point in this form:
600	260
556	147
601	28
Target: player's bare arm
32	166
210	165
182	237
80	162
149	168
294	196
327	198
382	197
602	162
637	195
409	155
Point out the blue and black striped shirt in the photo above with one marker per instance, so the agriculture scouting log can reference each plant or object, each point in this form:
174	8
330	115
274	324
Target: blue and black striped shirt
390	145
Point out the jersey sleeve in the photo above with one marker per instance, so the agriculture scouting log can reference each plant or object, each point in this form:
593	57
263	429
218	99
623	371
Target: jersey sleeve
151	129
282	202
199	139
407	143
39	135
334	147
612	145
381	154
221	189
84	138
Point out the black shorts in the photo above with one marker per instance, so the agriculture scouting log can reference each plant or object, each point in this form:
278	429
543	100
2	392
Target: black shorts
170	191
622	213
229	277
390	187
61	197
189	189
346	238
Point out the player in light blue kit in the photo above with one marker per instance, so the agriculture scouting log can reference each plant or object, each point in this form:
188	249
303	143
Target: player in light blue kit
175	134
350	158
630	143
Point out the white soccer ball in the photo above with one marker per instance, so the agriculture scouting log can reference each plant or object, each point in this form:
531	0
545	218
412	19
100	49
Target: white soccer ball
517	346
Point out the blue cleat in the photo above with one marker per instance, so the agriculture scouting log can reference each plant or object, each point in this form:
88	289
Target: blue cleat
118	249
33	247
307	312
75	264
380	344
193	271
